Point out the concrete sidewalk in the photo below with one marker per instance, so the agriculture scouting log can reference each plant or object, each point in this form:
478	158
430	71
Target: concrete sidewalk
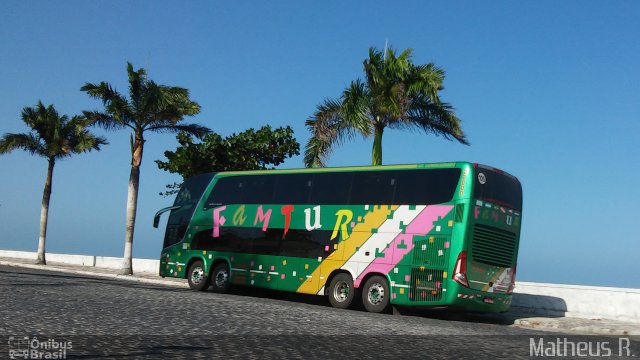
519	317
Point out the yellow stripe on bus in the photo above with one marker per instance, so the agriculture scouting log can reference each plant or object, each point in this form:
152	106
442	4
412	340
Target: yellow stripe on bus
361	233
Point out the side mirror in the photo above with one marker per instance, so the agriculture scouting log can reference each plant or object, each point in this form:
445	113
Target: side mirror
156	218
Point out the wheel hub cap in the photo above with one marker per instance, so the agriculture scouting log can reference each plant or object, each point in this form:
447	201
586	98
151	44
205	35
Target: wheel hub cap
221	278
376	294
341	291
197	275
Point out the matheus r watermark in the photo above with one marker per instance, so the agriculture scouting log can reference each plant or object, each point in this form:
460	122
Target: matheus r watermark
25	347
563	347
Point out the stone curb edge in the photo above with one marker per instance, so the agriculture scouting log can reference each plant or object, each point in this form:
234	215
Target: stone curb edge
131	278
546	324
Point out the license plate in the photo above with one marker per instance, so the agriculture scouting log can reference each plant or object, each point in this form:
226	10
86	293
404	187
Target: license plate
488	300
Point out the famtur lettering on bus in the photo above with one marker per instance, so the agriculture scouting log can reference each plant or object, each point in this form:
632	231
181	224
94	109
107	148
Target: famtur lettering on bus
343	217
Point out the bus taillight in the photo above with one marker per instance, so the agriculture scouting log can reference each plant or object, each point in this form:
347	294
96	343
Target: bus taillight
460	270
513	280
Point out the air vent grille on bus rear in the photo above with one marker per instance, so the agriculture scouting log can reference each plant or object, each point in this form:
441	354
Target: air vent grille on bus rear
431	252
426	284
493	246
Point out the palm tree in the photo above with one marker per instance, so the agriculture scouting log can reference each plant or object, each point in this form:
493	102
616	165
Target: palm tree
53	137
396	94
150	107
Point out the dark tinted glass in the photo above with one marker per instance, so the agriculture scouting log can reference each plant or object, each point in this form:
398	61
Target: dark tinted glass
498	188
227	190
188	197
331	188
192	189
303	243
373	187
233	239
298	243
257	189
424	187
293	188
242	190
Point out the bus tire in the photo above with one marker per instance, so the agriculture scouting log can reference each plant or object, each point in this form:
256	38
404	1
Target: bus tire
341	291
376	294
197	277
220	278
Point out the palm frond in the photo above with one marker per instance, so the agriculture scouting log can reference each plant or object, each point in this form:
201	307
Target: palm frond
115	104
439	119
84	141
426	79
164	104
103	91
77	139
196	130
315	153
104	120
137	80
327	127
29	142
354	109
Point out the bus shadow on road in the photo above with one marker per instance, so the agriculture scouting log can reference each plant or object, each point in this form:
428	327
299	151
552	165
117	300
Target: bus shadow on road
279	295
547	306
527	306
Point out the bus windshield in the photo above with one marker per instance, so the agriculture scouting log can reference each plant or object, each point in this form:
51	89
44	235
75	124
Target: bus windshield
184	207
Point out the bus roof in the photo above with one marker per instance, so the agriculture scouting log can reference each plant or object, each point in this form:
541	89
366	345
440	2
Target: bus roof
443	165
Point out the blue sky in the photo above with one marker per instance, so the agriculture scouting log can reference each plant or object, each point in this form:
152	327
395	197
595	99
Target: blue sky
547	90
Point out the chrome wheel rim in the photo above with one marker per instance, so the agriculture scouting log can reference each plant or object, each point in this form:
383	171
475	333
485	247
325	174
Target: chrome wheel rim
222	277
197	275
376	294
341	291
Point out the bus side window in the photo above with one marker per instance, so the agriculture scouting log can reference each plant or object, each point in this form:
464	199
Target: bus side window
373	188
331	188
257	189
426	187
307	244
293	188
227	190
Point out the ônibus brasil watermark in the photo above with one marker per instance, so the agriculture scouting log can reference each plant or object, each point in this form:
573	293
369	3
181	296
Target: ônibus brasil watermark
563	347
25	347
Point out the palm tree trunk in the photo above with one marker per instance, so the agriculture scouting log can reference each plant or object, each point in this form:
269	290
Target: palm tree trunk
376	158
44	214
132	204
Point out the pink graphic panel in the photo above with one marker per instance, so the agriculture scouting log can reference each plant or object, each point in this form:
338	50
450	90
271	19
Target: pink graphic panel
421	225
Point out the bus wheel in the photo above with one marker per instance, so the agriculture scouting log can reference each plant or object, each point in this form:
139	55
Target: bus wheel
375	294
220	278
198	278
341	291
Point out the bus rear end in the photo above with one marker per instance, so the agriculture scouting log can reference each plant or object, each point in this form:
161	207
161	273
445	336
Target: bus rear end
484	271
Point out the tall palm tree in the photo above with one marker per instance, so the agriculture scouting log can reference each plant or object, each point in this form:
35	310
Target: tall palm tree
396	94
53	137
150	107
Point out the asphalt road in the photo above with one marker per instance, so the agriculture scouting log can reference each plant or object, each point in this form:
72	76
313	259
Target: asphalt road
105	318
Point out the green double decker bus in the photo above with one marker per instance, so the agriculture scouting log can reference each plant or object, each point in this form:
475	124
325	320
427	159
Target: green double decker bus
428	235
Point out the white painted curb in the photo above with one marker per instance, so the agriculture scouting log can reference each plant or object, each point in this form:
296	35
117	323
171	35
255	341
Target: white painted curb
139	265
133	278
580	301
